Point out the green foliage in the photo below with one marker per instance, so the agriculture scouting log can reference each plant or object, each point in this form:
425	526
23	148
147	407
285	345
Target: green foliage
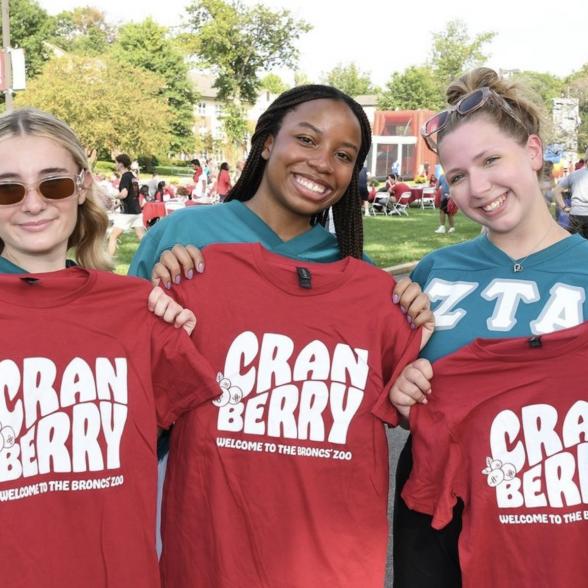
454	51
83	31
170	170
415	88
301	78
543	87
273	83
30	28
146	45
350	79
235	124
577	87
112	107
238	43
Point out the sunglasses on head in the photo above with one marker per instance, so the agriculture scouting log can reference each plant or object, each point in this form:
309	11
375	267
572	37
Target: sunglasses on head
52	188
466	105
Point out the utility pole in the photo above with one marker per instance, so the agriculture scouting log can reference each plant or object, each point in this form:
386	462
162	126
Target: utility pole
6	55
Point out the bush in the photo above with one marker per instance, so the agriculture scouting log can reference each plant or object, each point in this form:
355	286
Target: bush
148	163
105	166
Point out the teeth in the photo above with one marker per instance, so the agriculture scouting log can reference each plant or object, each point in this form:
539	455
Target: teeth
494	205
310	185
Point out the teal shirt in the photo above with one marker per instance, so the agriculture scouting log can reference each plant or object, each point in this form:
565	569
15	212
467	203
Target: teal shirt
7	267
475	292
232	222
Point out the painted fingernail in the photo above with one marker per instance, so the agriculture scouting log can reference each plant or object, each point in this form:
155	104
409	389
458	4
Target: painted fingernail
412	326
177	279
402	309
167	285
200	268
396	299
190	274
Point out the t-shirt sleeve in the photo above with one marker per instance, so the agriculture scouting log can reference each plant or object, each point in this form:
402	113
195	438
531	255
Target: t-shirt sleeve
435	456
182	378
403	347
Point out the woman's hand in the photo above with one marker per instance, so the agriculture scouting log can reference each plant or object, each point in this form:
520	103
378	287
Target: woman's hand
179	260
416	305
412	385
160	304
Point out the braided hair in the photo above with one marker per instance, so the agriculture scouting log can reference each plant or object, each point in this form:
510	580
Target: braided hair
347	211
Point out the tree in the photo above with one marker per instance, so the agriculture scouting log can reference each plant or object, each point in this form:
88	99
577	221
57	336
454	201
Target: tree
81	91
235	124
30	29
146	45
454	51
301	78
544	87
83	31
415	88
238	43
577	87
349	79
273	83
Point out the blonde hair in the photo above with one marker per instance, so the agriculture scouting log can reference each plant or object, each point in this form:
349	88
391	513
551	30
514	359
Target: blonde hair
88	236
528	114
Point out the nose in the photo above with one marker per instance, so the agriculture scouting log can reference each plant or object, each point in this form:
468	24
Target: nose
33	202
321	161
479	183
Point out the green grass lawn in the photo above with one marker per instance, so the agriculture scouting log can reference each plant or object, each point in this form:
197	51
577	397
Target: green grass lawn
389	240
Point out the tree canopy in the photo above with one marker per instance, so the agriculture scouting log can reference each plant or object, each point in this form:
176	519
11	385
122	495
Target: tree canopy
350	79
146	45
238	43
412	89
135	121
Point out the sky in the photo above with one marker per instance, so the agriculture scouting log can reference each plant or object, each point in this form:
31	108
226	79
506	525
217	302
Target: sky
385	36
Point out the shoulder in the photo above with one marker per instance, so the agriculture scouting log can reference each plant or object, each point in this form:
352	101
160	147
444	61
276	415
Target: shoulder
130	285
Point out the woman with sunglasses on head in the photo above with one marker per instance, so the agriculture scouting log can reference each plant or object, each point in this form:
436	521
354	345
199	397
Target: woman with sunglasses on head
526	276
87	374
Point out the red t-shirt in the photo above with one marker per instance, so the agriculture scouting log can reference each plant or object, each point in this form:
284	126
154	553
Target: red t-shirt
506	430
399	189
286	482
223	182
87	374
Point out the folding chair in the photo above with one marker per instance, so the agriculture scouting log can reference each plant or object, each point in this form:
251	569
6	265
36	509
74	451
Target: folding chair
400	207
381	206
428	198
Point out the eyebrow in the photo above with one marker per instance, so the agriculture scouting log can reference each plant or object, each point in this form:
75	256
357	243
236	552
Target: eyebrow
318	131
47	170
475	158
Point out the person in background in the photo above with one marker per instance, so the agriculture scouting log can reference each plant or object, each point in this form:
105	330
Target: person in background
444	215
364	192
129	216
223	181
577	184
396	187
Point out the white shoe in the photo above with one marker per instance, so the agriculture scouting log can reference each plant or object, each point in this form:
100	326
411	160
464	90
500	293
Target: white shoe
451	230
441	229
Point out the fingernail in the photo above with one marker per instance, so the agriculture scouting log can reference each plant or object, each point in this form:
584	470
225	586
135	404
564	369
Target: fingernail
190	274
200	268
177	279
168	285
403	310
409	318
396	299
412	326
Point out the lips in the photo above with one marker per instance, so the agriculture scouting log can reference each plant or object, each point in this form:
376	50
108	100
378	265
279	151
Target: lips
35	226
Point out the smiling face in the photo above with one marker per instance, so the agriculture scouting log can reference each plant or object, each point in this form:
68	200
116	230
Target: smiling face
310	163
492	177
36	230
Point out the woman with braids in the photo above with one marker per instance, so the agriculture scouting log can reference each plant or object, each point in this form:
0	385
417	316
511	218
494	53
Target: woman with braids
503	416
87	374
286	479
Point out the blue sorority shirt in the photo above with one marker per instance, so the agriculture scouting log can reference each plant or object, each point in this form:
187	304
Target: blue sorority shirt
475	292
232	222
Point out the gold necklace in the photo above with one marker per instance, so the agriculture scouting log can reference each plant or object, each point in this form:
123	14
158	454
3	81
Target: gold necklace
517	266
